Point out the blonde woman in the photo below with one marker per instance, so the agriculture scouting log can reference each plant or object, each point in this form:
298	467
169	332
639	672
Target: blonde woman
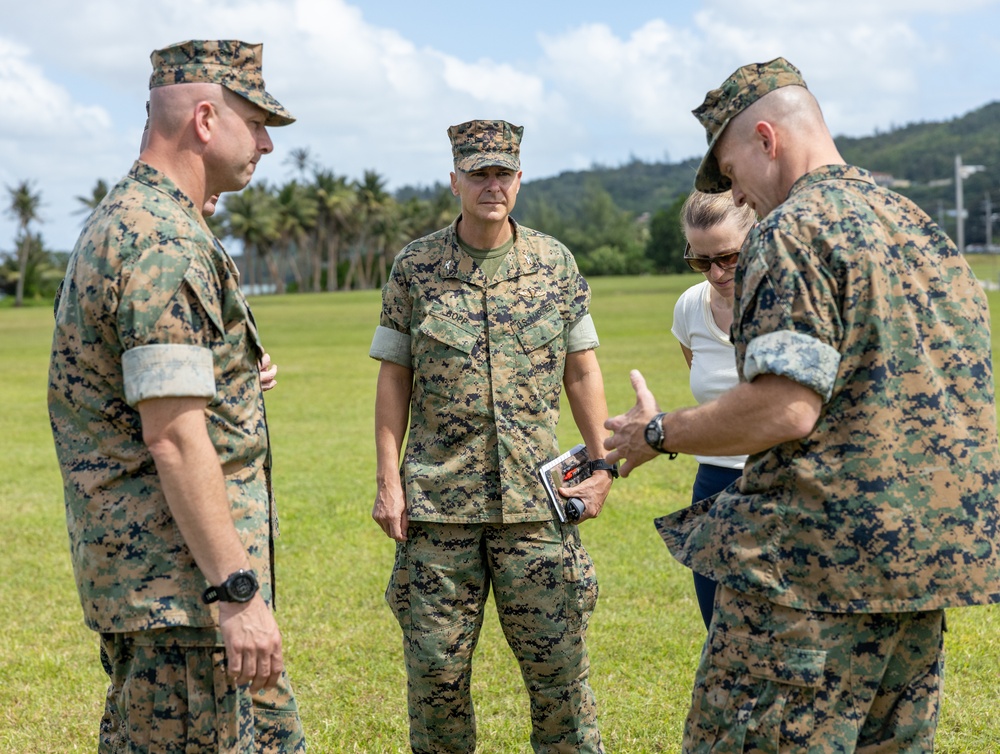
715	229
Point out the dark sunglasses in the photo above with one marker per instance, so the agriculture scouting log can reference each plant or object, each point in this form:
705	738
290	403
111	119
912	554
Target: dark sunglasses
725	261
704	264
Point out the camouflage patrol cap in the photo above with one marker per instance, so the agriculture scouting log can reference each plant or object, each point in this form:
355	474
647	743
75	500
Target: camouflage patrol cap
480	143
234	64
744	87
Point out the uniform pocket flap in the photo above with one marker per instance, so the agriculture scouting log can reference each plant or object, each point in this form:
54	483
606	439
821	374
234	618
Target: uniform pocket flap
770	661
536	332
445	330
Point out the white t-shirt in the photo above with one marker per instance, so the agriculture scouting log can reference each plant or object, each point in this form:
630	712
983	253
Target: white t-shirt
713	358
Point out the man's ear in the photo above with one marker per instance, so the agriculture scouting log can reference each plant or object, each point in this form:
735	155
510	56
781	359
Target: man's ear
767	138
205	119
454	184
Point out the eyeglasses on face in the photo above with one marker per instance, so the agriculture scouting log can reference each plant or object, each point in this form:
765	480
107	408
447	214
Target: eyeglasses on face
725	261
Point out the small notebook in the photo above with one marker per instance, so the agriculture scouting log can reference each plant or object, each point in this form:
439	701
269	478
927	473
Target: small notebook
566	470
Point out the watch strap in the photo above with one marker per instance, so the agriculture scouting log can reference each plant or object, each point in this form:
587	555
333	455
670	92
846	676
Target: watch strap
224	592
599	464
657	422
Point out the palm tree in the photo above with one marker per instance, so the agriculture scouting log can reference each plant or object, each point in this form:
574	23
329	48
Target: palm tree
301	160
42	274
97	194
376	209
336	223
23	207
251	217
297	211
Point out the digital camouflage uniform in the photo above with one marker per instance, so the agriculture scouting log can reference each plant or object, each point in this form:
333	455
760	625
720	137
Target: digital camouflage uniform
151	308
835	554
488	359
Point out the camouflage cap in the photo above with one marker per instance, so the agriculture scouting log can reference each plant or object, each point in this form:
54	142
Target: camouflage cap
744	87
233	64
480	143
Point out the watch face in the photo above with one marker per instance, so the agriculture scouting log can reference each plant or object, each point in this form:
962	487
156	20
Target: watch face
242	587
653	433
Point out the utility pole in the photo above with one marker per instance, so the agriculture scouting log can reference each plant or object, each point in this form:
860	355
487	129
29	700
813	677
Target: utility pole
959	209
961	172
989	224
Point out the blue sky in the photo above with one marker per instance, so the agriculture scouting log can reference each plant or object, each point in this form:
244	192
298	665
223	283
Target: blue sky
376	83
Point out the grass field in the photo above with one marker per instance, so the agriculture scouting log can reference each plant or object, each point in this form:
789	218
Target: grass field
342	645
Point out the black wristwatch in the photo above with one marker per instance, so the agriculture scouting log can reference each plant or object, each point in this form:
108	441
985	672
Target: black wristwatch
239	587
656	436
599	464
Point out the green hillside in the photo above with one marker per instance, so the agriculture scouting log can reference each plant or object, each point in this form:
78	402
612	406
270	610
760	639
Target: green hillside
922	154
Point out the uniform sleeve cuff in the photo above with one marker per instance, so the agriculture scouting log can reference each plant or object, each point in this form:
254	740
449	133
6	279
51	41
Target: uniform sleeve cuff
798	357
167	371
391	345
582	335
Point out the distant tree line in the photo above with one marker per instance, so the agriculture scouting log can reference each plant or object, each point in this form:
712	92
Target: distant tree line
321	231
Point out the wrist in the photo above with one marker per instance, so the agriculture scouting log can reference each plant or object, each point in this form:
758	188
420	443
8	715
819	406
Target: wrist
599	464
240	586
656	435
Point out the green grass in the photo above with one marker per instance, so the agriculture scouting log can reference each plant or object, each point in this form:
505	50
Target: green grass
986	267
342	645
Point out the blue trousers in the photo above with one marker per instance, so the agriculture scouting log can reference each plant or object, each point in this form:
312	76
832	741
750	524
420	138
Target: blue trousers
707	482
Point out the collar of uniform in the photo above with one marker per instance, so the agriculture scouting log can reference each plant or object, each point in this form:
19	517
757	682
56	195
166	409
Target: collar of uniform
520	260
832	173
150	176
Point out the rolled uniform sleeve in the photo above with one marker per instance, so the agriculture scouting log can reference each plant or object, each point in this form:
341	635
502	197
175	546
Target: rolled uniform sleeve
789	322
167	371
582	335
169	321
391	345
391	341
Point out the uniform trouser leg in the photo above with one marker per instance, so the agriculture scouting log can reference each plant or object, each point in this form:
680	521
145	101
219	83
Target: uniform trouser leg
776	679
545	589
438	593
169	691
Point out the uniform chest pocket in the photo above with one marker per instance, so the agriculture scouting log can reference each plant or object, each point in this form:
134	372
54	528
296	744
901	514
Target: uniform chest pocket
539	332
443	330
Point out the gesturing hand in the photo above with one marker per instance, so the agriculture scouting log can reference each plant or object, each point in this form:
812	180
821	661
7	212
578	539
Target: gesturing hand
628	444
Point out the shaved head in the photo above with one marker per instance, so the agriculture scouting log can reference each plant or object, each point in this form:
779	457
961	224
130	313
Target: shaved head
792	109
172	107
771	144
205	136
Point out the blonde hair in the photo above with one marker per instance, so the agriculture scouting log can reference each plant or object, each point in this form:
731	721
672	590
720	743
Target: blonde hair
702	211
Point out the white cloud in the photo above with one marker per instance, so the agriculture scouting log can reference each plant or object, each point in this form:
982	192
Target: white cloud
32	108
369	97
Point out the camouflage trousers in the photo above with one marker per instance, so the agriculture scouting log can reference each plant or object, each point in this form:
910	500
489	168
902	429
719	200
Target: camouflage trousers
169	692
776	679
545	589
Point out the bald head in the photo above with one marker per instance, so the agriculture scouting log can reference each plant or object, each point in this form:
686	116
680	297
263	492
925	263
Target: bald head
792	109
171	108
772	143
206	138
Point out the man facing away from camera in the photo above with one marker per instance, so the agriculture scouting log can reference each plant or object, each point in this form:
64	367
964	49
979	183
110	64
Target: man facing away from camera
157	411
869	502
482	325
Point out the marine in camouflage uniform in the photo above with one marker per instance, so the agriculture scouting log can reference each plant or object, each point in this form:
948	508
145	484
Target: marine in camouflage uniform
482	324
841	545
151	310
